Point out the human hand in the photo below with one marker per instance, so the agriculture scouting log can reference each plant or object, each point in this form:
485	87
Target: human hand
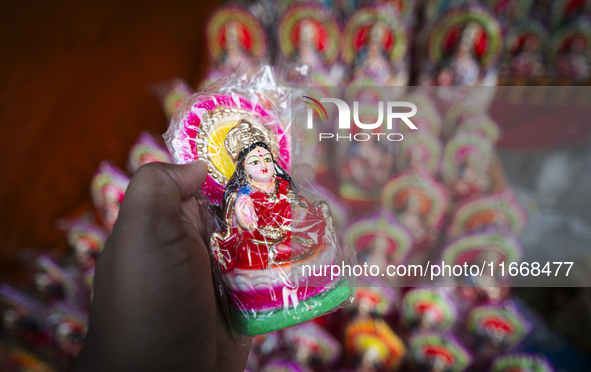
155	306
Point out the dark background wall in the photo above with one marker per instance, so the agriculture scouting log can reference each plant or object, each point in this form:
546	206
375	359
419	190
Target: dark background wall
74	90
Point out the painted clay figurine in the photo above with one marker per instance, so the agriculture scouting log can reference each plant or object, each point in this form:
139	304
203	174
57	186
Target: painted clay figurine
373	345
87	240
568	53
235	38
267	233
429	309
107	188
467	159
496	328
464	47
258	205
524	60
419	202
147	150
310	34
437	352
375	43
379	239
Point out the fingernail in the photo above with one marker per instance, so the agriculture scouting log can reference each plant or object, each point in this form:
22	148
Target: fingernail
196	162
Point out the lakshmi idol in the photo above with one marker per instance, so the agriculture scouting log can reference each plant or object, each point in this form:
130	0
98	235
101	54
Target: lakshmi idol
466	70
375	46
270	246
374	64
464	47
268	232
261	207
234	54
234	37
307	49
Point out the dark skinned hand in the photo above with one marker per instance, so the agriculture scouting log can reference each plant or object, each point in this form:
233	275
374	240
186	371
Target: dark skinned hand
155	306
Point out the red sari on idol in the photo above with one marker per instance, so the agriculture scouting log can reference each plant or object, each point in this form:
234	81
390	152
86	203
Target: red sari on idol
277	238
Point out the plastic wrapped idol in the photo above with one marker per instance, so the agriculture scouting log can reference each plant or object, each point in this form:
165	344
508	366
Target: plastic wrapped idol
172	95
419	202
379	240
463	49
500	210
521	362
426	309
311	345
469	297
364	165
309	34
107	188
437	352
69	327
467	160
234	37
270	242
375	45
373	346
87	240
496	328
484	249
568	54
523	60
420	150
375	298
147	150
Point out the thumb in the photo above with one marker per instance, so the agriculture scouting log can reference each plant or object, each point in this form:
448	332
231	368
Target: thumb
166	182
188	178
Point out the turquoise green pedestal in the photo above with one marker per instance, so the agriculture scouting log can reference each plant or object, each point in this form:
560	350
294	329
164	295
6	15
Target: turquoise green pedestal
255	323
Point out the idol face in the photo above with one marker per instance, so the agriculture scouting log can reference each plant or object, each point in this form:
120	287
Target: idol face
259	165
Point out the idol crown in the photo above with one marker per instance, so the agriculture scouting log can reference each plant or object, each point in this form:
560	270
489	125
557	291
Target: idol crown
245	134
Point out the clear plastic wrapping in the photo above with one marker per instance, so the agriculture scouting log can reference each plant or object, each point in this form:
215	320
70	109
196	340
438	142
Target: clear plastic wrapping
273	247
